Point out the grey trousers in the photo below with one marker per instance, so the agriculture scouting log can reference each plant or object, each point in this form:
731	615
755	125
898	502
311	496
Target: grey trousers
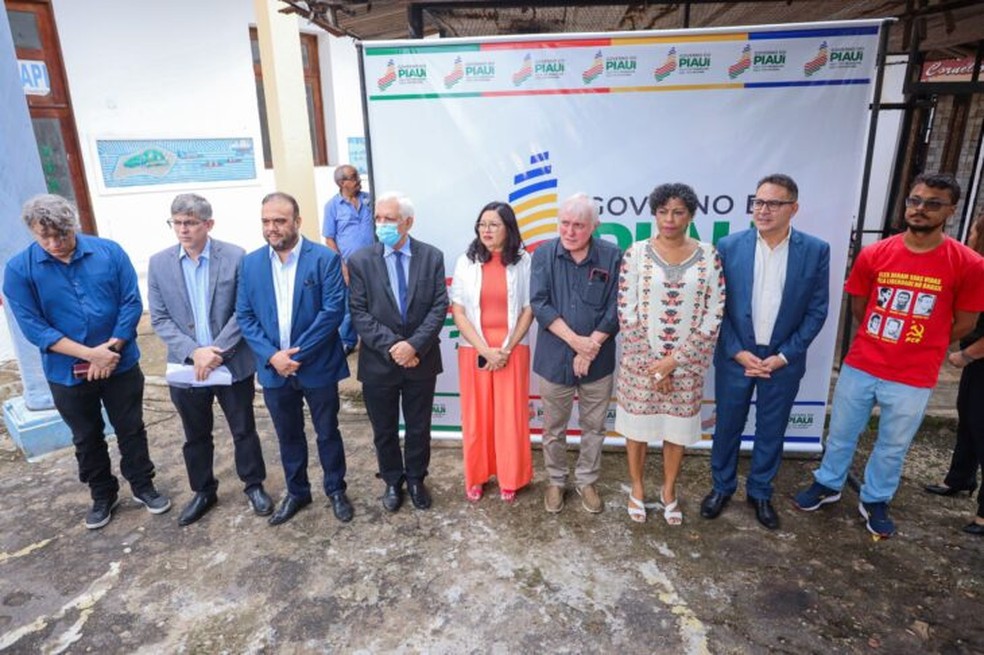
558	401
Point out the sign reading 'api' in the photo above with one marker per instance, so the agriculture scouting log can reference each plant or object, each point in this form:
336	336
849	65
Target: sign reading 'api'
34	77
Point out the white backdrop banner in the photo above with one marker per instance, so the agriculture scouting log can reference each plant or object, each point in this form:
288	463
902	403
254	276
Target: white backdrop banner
456	123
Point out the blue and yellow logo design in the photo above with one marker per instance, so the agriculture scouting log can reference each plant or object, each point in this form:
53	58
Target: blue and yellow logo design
534	199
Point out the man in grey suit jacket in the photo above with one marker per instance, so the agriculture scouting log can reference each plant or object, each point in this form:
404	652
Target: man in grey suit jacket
192	298
778	288
398	298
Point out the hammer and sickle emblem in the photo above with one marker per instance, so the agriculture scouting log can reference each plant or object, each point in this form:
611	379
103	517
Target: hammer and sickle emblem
915	333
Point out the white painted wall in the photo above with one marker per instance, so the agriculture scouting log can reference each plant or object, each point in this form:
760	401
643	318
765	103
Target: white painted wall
183	69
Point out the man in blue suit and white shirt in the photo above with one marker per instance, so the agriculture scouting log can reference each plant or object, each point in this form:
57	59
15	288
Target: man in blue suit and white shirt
290	302
191	291
778	291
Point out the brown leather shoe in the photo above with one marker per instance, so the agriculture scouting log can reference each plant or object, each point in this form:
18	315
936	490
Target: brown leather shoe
590	499
553	499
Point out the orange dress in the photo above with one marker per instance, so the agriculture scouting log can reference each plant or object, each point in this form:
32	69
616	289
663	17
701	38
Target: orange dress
495	414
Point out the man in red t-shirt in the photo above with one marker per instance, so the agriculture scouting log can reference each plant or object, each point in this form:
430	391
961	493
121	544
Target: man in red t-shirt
912	294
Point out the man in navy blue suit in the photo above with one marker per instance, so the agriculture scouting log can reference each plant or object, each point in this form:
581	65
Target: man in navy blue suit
290	302
778	291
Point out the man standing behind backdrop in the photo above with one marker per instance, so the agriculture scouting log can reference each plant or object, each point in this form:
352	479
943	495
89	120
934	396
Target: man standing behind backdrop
348	226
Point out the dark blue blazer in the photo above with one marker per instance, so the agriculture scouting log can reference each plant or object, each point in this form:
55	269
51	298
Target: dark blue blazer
804	299
319	305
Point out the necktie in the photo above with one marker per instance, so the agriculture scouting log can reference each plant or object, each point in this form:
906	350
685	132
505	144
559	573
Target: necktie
401	283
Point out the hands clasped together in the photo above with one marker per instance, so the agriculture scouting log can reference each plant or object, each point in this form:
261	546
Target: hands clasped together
759	368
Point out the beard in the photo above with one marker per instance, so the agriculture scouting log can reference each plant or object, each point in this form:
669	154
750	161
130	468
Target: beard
922	228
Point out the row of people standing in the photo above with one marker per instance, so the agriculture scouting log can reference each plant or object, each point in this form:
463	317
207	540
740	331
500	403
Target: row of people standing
273	315
670	302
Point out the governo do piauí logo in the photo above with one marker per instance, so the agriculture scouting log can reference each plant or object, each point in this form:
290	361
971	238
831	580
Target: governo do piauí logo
743	64
456	74
525	71
818	61
389	77
667	67
534	199
595	70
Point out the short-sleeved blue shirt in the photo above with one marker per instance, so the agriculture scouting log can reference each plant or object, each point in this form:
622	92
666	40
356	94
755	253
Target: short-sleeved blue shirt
350	228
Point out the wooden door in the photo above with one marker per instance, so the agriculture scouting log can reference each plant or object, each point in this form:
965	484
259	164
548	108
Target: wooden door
39	56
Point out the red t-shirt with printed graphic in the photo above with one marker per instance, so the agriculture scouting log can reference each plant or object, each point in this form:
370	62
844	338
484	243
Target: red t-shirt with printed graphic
912	298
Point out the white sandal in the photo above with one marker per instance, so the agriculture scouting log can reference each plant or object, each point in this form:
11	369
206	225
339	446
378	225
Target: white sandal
671	514
636	509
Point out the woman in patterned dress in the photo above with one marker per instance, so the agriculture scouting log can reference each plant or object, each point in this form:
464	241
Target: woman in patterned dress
671	300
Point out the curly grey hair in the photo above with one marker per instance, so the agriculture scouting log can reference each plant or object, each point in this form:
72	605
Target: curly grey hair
53	213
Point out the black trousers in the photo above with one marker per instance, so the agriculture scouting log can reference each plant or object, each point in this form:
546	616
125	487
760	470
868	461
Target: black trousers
80	407
383	402
968	454
195	407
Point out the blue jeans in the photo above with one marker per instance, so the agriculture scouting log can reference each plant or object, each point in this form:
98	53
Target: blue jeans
287	413
902	408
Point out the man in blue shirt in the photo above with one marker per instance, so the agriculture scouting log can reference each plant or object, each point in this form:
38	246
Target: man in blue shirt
573	292
75	297
348	226
191	290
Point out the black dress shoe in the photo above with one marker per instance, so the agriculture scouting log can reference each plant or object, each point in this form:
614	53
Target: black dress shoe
393	497
196	509
419	495
341	506
764	512
974	528
259	500
288	507
944	490
713	504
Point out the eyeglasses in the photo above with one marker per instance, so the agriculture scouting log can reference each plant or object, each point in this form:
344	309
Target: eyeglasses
177	225
932	204
488	226
773	205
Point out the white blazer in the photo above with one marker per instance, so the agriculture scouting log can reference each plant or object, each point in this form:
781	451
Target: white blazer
466	289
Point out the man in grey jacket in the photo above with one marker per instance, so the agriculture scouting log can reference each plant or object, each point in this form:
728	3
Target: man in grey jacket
192	298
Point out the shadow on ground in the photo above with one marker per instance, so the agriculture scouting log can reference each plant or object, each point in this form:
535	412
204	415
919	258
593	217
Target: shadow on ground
478	578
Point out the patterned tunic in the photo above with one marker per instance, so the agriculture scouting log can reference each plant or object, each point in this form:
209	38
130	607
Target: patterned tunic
666	309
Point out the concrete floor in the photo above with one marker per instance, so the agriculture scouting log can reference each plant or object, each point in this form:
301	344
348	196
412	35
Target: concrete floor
484	578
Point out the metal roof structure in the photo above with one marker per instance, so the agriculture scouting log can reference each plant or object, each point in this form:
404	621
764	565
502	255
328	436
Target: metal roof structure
941	28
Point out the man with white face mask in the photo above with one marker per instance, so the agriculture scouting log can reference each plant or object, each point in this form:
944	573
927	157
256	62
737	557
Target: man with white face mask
398	300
